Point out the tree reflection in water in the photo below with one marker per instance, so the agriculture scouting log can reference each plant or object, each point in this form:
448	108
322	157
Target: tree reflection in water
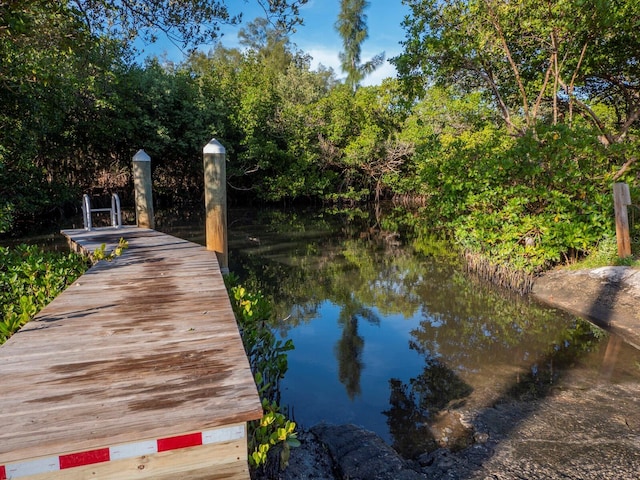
475	343
349	353
350	346
414	405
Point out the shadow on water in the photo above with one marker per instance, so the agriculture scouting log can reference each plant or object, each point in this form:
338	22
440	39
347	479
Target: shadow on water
474	361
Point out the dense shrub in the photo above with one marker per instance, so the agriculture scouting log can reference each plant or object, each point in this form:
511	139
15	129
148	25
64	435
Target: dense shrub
524	203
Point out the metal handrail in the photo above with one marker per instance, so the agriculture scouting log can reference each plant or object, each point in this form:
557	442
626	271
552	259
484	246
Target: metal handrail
115	211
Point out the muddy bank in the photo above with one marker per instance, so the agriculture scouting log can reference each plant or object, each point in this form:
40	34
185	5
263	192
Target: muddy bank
607	296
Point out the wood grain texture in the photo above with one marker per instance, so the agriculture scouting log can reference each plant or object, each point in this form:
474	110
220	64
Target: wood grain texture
621	199
143	347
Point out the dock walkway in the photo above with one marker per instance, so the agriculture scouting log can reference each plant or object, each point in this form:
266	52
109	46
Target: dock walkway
137	370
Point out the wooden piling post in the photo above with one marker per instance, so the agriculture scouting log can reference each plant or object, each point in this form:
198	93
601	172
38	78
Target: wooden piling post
622	198
215	198
143	190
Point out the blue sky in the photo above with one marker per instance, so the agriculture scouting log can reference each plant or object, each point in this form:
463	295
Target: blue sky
318	37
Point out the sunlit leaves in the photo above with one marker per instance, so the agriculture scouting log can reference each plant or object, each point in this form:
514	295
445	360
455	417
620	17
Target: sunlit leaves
268	360
547	60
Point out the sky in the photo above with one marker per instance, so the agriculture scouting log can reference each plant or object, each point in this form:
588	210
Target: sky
318	37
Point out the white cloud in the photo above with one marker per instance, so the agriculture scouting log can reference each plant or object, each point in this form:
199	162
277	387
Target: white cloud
385	70
325	56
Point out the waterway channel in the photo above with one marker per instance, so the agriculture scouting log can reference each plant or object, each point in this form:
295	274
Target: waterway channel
390	332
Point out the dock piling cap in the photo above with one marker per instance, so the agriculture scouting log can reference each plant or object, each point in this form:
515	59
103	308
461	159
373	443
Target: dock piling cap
141	156
214	146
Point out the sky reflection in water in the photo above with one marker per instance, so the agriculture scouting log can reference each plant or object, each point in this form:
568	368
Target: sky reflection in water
312	385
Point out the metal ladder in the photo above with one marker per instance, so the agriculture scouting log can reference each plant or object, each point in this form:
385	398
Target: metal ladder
116	213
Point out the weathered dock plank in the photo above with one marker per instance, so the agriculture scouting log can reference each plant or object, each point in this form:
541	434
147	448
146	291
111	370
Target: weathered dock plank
138	349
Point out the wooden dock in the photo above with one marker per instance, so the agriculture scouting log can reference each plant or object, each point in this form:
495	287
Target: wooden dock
137	370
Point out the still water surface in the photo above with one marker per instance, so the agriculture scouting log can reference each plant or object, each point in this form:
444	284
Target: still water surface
389	330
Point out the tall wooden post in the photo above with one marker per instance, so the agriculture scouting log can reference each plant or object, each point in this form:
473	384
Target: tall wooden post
215	199
143	190
622	198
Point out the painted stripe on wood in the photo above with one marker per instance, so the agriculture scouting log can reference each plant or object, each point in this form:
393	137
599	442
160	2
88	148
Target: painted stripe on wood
84	458
138	449
120	452
32	467
181	441
223	435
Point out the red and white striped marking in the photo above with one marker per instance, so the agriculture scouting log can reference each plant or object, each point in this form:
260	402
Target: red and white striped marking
119	452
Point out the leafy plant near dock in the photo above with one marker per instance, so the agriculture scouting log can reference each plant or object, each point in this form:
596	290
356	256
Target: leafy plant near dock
268	360
274	429
29	279
101	253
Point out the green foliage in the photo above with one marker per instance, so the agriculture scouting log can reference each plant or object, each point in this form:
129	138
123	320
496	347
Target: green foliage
41	46
29	279
605	253
359	139
267	355
262	98
524	203
268	360
273	430
6	205
546	204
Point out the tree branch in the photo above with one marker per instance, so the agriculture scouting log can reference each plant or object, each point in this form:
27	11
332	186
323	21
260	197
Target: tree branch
536	106
569	91
514	67
624	168
608	138
502	106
